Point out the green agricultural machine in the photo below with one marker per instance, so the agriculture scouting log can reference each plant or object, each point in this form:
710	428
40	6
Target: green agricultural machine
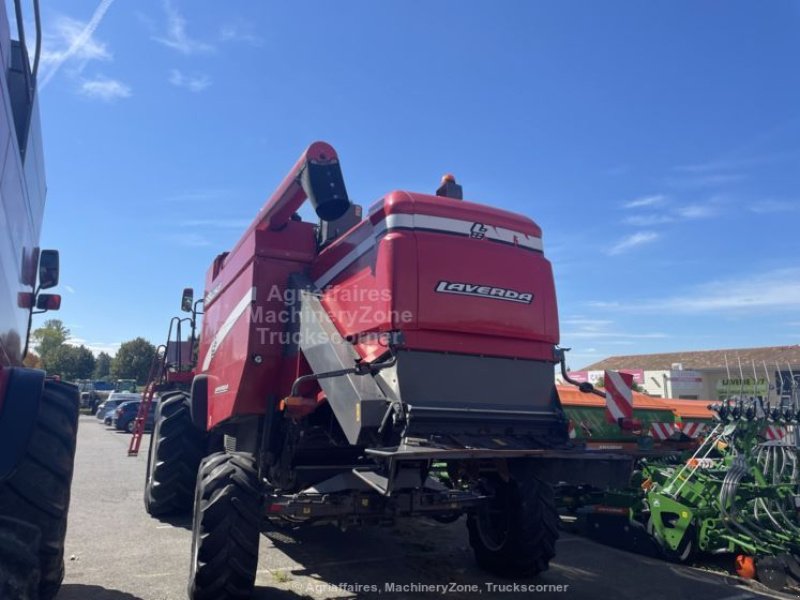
738	493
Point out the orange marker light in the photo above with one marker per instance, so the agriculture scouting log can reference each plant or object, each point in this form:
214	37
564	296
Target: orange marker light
745	566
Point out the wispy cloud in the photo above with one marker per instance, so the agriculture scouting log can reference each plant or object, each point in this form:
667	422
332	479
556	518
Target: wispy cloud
105	89
189	239
583	331
193	83
69	288
241	33
698	211
95	347
774	290
632	241
586	323
660	215
176	36
648	220
654	200
73	40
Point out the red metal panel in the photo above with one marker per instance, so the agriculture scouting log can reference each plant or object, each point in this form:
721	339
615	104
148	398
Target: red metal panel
393	282
245	318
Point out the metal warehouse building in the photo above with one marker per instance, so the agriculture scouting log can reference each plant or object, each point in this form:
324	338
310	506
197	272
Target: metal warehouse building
709	374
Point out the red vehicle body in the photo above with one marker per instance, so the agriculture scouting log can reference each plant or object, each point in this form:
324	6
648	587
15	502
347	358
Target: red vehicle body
373	284
400	364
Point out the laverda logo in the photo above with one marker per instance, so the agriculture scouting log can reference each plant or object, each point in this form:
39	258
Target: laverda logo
483	291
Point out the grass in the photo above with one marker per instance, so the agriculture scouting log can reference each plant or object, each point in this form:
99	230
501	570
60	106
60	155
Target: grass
281	576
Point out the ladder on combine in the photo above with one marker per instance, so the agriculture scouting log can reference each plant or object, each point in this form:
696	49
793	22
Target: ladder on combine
157	369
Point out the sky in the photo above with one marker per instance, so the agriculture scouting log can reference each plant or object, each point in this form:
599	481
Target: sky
656	143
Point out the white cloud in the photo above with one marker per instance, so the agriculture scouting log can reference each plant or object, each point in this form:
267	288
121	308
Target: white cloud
633	241
105	89
654	200
193	83
96	347
190	240
648	220
586	324
755	294
698	211
72	41
239	33
176	36
69	288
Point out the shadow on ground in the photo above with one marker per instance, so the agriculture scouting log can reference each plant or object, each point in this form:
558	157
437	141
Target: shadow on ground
182	521
78	591
376	562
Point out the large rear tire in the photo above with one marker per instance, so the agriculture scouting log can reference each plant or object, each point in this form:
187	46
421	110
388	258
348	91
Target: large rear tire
226	528
515	532
19	559
39	490
176	449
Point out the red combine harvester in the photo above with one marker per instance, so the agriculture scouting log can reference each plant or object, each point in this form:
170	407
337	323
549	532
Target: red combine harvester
363	370
38	415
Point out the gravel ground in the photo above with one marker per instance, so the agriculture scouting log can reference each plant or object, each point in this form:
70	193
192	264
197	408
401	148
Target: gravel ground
115	551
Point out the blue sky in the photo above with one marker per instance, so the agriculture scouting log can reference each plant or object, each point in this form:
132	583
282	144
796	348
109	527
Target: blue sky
656	143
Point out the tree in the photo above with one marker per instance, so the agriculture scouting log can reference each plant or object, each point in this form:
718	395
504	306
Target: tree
71	362
102	366
49	338
133	360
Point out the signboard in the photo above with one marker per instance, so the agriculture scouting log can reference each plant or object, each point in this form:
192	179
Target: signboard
686	383
594	376
749	386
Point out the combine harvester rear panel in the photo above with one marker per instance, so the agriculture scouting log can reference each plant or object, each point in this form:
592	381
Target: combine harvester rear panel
367	369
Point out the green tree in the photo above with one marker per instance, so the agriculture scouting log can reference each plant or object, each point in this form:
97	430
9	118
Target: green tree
102	366
133	360
71	362
48	339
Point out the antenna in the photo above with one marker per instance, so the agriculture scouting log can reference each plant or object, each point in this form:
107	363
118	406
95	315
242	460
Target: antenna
741	377
769	385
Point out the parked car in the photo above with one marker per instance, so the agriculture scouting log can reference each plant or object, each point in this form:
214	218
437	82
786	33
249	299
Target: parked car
125	414
105	412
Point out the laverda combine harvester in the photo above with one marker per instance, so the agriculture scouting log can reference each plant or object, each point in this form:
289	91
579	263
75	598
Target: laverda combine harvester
368	369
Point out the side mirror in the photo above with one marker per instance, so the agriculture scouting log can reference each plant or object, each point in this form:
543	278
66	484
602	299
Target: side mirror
48	302
48	269
187	301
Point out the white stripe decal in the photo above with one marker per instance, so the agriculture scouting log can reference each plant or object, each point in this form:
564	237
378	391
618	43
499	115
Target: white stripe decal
346	261
223	331
431	223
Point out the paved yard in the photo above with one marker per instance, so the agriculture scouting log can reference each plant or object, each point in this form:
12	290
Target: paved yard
115	551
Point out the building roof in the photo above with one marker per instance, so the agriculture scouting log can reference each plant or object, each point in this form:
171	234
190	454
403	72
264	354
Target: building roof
704	359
